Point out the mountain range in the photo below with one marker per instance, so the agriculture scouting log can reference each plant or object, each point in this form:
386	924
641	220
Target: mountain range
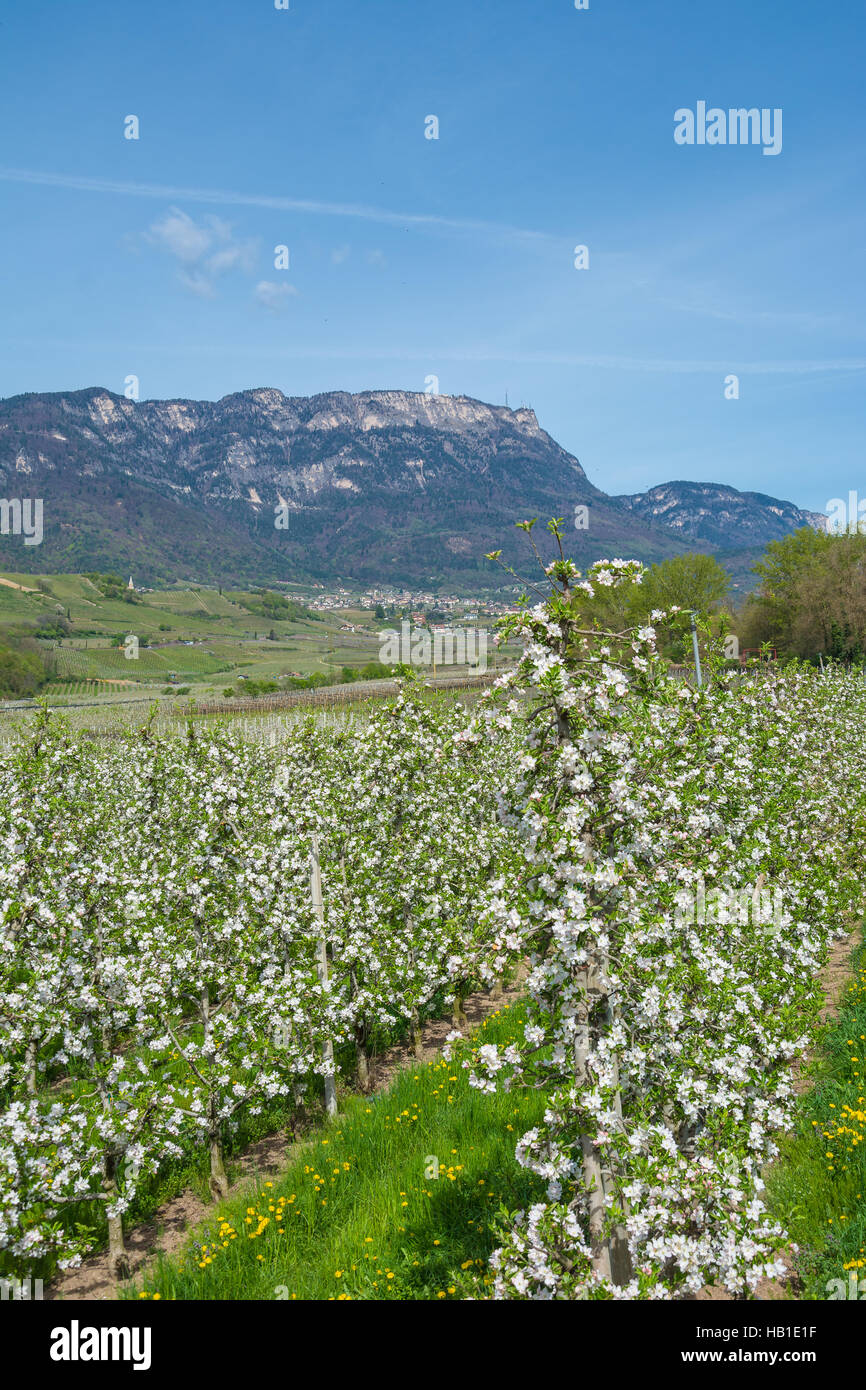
377	487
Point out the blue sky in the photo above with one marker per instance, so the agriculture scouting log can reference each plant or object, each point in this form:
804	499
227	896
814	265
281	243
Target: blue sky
453	257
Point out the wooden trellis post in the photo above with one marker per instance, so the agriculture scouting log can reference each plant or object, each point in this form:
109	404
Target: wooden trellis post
319	909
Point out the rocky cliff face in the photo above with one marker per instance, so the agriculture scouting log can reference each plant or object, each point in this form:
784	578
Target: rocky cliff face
714	515
380	485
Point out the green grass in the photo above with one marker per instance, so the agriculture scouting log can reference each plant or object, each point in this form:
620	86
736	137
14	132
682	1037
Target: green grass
57	691
219	623
111	663
358	1213
818	1187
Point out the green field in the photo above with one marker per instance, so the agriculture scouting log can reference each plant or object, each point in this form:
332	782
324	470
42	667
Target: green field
198	637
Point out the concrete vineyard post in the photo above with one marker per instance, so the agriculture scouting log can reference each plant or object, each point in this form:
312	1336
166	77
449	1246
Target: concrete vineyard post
697	654
319	909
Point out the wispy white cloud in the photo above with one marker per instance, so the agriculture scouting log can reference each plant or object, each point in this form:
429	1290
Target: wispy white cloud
710	301
600	362
227	197
206	250
674	365
178	234
197	283
593	361
273	296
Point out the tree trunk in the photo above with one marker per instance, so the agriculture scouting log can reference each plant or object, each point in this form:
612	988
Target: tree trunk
594	1181
30	1064
620	1255
610	1254
414	1018
362	1060
415	1029
117	1256
592	1175
299	1117
219	1183
458	1013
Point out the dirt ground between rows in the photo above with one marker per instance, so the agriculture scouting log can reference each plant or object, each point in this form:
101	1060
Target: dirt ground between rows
170	1226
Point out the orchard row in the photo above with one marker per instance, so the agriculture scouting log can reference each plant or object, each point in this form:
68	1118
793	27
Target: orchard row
169	964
